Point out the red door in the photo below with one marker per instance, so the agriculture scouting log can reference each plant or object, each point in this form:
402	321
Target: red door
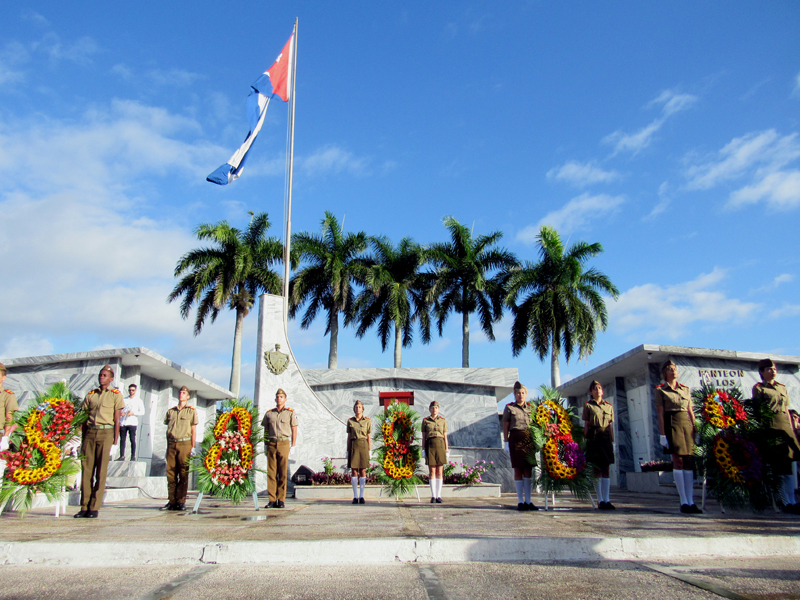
386	398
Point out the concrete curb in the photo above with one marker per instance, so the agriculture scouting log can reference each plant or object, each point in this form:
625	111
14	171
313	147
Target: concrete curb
393	550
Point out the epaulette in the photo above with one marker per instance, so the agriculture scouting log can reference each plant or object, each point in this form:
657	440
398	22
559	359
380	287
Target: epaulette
287	408
94	391
660	385
682	385
116	391
9	392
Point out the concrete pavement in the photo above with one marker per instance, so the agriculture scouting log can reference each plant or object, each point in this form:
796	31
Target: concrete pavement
644	527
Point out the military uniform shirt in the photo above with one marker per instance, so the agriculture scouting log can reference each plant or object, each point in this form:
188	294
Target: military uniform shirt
179	422
518	417
101	406
434	428
598	414
774	394
677	400
358	430
278	425
8	404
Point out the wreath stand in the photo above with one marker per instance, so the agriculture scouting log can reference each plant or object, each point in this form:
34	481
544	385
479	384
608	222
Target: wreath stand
416	490
196	508
553	494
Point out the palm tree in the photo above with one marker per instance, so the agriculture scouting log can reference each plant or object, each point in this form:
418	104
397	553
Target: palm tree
394	296
234	271
462	282
334	264
563	309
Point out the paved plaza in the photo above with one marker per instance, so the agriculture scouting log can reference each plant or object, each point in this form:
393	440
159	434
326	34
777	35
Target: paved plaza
406	549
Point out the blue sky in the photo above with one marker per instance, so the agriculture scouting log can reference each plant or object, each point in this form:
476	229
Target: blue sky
668	132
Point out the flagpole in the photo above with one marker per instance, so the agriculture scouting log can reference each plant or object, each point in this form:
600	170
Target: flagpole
287	245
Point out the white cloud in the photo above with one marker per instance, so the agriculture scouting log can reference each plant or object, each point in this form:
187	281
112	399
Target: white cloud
775	283
781	191
34	18
669	311
332	159
670	102
582	174
88	268
26	345
173	77
574	215
787	310
104	151
80	51
796	90
664	199
761	157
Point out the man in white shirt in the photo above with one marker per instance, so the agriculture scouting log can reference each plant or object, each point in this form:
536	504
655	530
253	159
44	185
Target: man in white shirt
134	408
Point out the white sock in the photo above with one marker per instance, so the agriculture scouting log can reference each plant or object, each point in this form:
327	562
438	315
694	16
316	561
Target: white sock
598	487
788	489
606	489
518	485
688	485
439	485
526	487
433	488
679	483
362	481
354	481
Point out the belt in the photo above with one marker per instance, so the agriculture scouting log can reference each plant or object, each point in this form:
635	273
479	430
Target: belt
180	439
279	439
101	427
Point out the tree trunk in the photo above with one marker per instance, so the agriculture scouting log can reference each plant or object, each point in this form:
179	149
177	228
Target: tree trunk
236	363
555	373
465	340
398	347
334	341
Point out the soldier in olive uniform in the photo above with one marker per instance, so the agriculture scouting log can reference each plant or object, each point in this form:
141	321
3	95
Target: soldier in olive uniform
359	443
8	404
100	432
598	429
517	437
181	422
676	424
280	430
434	442
774	395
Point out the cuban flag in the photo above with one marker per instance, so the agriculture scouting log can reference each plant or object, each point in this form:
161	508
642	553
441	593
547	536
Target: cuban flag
279	75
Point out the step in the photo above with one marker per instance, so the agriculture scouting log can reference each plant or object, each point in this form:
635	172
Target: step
151	487
373	492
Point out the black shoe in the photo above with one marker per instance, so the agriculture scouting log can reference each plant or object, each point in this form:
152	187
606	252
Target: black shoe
433	500
80	514
133	459
355	500
438	501
279	504
167	506
120	458
610	506
791	509
361	501
601	505
92	514
531	506
522	507
686	509
270	505
180	506
694	510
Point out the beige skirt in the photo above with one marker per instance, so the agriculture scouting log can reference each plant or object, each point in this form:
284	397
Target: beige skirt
358	454
436	455
679	430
